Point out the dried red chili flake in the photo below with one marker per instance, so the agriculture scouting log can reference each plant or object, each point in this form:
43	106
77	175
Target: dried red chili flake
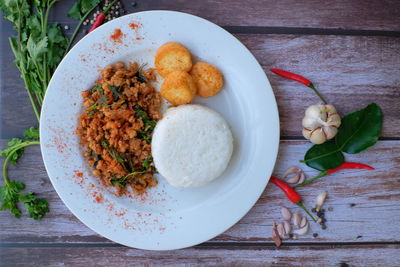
78	174
117	36
133	26
98	197
120	213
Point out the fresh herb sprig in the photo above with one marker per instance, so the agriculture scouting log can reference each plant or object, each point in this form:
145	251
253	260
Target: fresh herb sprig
103	99
126	163
10	192
139	74
146	167
148	124
38	47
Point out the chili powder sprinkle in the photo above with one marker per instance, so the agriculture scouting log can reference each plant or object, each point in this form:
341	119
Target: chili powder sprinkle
117	36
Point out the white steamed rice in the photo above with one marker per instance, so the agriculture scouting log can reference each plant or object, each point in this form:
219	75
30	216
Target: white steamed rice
191	145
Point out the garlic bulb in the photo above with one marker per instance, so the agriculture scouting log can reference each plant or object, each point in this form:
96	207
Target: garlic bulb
321	123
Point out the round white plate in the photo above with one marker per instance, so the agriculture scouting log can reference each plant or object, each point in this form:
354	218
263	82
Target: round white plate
165	217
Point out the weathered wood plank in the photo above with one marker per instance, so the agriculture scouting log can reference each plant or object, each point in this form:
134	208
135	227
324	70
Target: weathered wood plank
350	71
356	14
371	255
363	202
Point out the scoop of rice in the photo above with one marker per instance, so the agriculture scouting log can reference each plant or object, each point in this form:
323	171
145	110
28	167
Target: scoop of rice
191	145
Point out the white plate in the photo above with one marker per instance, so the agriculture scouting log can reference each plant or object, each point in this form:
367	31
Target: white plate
166	217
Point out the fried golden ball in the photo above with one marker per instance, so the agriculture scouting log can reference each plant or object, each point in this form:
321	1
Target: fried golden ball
172	56
208	79
178	88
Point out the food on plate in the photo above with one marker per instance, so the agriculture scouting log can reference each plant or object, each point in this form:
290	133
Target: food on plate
208	79
178	88
171	57
115	129
191	145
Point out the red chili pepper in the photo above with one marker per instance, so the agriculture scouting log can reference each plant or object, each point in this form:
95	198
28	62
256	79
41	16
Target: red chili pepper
298	78
349	166
292	76
100	18
344	166
290	193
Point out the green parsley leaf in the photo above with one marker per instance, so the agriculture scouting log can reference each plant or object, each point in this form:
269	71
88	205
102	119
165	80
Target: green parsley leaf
10	148
36	207
40	3
32	133
36	48
57	44
33	23
75	12
87	5
81	7
9	197
13	10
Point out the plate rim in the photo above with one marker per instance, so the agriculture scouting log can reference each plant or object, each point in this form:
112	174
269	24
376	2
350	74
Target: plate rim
273	151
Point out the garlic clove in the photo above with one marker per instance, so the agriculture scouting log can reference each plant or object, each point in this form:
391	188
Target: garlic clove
307	133
330	132
286	214
334	120
287	226
323	116
302	178
296	218
313	111
275	235
294	179
281	230
310	123
321	199
318	136
330	109
303	221
293	169
303	230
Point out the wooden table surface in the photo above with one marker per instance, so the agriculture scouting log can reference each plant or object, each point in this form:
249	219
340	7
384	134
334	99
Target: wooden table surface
350	49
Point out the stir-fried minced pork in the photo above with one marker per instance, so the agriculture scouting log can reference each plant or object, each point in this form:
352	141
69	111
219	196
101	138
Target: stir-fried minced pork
115	129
